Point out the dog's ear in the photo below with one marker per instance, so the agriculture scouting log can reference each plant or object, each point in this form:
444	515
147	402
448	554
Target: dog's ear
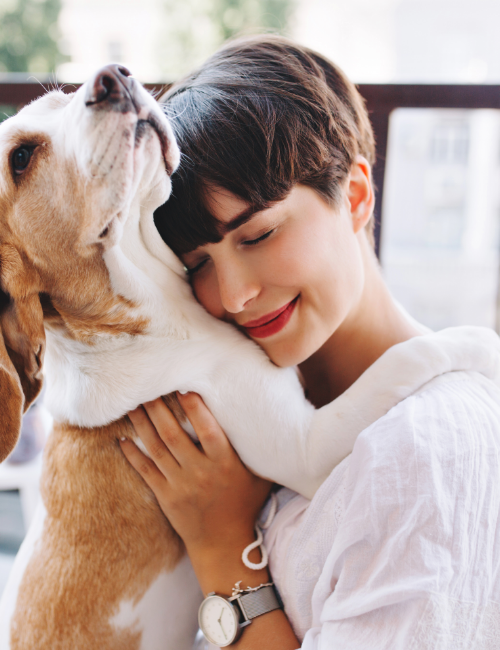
22	345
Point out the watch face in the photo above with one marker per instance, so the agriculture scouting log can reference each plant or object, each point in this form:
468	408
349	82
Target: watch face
218	621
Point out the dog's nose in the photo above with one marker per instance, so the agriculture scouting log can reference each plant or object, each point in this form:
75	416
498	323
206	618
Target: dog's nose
111	83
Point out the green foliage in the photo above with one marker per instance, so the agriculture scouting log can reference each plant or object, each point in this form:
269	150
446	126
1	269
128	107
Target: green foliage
235	16
29	35
194	29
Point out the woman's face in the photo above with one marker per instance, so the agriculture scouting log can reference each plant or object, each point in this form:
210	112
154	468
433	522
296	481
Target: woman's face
289	276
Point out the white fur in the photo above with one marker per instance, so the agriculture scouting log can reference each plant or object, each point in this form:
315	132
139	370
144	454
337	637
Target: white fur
166	615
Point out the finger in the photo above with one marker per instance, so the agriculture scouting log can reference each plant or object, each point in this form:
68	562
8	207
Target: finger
155	446
143	465
212	438
171	433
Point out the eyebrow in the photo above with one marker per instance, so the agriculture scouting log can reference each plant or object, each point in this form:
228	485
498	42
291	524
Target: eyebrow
242	218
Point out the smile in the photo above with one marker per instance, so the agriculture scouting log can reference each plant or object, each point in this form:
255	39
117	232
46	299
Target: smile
272	323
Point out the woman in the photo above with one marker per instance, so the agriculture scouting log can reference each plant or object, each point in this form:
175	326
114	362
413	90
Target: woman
271	213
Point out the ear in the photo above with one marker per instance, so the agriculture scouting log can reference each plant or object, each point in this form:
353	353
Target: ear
360	193
11	403
22	345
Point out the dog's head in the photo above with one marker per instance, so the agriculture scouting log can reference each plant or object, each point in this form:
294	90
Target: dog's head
71	167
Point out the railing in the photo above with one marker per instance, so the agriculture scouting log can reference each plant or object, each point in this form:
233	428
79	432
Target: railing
18	93
381	100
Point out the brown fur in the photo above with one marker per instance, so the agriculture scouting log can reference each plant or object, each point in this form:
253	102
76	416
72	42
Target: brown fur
11	399
22	343
173	404
104	541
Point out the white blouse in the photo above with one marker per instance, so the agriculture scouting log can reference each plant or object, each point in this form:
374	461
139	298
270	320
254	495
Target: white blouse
400	547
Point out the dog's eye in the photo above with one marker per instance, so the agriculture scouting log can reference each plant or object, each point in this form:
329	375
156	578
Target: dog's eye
21	158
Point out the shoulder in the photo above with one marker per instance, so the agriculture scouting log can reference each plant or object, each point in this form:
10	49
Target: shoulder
446	432
453	401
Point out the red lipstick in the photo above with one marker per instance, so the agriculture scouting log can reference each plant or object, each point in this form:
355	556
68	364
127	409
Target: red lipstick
271	323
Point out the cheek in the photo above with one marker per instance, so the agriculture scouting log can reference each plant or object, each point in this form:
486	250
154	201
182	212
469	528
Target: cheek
288	262
304	258
206	292
323	263
339	275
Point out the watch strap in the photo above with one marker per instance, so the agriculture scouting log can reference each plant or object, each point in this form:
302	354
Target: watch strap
256	603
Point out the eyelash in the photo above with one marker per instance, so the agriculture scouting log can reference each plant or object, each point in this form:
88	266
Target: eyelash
192	271
250	242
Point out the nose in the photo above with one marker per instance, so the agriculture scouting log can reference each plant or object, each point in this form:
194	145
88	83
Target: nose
237	287
112	84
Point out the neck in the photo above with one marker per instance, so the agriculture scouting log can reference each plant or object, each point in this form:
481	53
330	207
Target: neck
374	324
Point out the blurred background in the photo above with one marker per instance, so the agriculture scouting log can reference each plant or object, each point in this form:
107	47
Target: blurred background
440	235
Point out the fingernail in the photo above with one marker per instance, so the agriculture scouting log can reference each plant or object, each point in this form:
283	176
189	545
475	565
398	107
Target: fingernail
183	392
123	439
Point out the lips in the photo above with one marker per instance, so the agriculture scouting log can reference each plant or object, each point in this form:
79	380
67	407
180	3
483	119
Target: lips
270	323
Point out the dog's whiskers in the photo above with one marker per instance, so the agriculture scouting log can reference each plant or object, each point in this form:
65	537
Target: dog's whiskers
38	81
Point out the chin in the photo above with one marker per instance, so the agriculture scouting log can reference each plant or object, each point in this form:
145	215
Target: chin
284	355
296	347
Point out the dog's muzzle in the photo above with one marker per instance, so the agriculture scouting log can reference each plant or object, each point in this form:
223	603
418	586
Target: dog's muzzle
114	89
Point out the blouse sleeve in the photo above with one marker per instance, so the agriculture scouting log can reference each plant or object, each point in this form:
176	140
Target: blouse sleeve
415	563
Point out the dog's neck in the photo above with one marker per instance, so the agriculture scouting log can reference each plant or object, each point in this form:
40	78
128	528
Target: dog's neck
93	384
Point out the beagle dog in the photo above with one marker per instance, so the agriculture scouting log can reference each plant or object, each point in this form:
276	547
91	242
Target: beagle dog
90	292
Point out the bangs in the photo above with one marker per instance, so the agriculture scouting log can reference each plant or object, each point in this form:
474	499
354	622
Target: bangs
258	117
223	149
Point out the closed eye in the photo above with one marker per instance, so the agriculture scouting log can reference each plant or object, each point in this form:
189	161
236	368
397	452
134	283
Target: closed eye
196	268
248	242
252	242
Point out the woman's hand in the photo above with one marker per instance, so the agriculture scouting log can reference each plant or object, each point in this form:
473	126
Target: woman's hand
210	498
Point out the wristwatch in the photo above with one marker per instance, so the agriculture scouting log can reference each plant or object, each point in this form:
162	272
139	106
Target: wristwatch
222	618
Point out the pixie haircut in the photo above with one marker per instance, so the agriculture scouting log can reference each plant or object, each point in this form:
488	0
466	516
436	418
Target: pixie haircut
261	115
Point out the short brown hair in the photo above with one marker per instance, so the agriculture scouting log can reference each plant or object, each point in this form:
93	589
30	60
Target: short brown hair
261	115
